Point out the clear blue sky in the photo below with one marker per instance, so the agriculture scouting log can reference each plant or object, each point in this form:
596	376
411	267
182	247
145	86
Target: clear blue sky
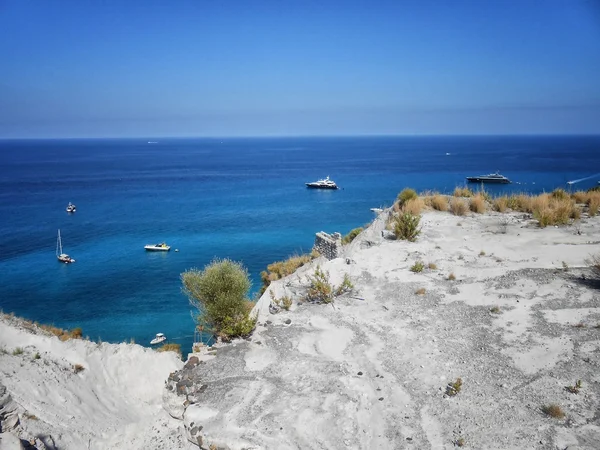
78	68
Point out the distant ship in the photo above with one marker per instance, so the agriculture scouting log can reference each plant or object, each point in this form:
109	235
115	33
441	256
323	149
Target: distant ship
322	184
71	208
489	178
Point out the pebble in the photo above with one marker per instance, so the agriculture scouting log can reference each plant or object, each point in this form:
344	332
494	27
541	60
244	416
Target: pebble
359	373
380	399
288	321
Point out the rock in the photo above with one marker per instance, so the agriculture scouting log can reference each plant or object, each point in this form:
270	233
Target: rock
174	404
192	362
359	373
288	321
195	418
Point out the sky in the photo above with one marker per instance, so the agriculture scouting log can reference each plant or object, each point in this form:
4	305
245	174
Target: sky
145	68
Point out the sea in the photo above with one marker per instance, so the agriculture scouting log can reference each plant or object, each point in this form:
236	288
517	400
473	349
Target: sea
238	198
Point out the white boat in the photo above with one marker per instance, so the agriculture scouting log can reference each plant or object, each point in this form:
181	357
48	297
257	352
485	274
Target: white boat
323	184
71	208
62	257
158	339
162	247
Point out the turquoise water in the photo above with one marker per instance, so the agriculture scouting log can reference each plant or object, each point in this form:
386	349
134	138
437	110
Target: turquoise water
243	199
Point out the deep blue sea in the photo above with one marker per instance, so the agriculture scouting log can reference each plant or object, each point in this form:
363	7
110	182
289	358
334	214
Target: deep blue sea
243	199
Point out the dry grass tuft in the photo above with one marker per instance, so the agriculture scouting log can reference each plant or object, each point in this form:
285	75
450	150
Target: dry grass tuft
439	202
495	310
553	410
580	197
463	192
170	348
414	206
593	203
451	276
458	207
453	389
420	291
78	368
63	335
432	266
477	204
501	204
280	269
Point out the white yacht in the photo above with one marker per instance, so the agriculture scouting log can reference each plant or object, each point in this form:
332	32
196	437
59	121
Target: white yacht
62	257
158	339
323	184
162	247
71	208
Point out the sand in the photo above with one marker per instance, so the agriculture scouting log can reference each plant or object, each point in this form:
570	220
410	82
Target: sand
370	370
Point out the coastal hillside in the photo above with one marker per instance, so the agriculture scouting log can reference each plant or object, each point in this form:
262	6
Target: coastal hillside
76	394
483	334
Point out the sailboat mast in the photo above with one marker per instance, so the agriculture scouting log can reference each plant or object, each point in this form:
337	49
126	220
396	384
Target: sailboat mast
59	245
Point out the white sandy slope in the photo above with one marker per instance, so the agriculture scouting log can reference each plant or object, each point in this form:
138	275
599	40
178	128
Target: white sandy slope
114	403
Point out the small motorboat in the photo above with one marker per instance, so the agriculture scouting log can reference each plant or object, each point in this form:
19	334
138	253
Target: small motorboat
323	184
71	208
162	247
158	339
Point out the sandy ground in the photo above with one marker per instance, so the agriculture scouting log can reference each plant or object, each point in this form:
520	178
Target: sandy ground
115	402
369	371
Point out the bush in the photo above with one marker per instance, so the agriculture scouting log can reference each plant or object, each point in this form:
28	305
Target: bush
417	267
580	197
351	235
560	194
413	206
554	411
78	368
501	203
170	348
458	207
284	302
406	227
593	205
453	389
346	286
439	202
463	192
280	269
406	195
420	291
320	290
17	351
477	204
451	277
520	202
219	293
432	266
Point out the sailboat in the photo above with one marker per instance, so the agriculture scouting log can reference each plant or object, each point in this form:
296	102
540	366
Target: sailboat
62	257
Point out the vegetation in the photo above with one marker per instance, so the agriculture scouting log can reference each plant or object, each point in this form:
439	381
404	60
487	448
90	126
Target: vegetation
420	291
63	335
284	302
451	277
458	206
413	206
454	388
432	266
439	202
78	368
17	351
36	355
170	348
574	389
501	203
346	286
463	192
477	204
219	292
406	195
320	289
482	253
594	263
351	235
417	267
553	410
495	310
280	269
406	227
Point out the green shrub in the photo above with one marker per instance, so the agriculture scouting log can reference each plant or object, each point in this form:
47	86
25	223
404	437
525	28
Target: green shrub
351	235
320	289
284	302
417	267
454	388
406	195
406	227
219	293
17	351
346	286
575	388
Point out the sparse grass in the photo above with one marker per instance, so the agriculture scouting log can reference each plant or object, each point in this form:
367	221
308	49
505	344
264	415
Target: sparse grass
458	206
553	410
170	348
579	325
575	388
451	276
481	253
477	204
26	415
62	334
320	289
462	192
560	194
346	285
495	310
406	195
439	202
432	266
580	197
17	351
279	269
36	355
460	442
501	203
520	202
565	266
351	235
78	368
413	206
406	227
420	291
594	262
593	203
417	267
284	302
454	388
